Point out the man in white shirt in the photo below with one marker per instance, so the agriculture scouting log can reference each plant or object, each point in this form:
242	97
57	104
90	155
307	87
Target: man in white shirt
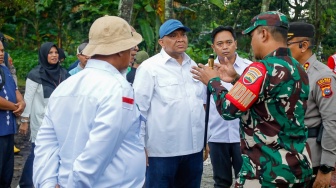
224	139
90	134
171	100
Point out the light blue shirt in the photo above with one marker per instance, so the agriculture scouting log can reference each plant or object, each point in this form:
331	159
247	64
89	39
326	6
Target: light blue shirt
220	130
76	69
171	100
90	134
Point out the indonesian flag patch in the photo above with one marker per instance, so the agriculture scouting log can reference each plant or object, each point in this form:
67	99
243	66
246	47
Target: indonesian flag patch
325	85
127	103
245	92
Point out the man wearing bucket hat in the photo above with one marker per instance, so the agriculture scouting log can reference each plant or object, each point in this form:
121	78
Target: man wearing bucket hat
270	99
171	101
90	133
320	117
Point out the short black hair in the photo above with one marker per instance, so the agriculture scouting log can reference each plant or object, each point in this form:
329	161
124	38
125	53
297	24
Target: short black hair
220	29
278	33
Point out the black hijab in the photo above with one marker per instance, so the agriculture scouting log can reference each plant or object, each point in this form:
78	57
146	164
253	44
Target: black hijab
50	76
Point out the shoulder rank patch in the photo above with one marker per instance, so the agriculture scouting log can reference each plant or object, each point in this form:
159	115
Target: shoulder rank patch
325	85
245	92
306	65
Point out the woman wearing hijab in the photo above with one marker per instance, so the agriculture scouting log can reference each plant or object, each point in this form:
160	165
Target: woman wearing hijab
41	82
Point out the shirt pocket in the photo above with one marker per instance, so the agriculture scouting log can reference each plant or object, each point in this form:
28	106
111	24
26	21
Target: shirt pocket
169	88
199	88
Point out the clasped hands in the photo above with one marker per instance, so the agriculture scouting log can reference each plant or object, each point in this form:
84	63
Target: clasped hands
20	107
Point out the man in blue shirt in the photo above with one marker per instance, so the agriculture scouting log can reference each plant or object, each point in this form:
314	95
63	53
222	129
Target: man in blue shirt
11	105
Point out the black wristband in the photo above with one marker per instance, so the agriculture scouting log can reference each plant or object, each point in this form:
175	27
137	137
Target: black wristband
235	79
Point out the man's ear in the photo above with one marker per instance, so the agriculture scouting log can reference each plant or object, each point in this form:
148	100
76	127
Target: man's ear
213	47
160	41
264	35
304	46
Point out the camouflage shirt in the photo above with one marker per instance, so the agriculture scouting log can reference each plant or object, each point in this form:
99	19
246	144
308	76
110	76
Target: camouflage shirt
273	134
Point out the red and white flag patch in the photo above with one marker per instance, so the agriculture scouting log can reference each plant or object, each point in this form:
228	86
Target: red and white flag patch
127	103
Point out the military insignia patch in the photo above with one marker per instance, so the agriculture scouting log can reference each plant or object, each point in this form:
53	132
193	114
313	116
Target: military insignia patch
306	65
252	75
243	94
325	85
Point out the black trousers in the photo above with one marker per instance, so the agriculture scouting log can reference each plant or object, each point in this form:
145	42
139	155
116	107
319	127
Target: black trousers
223	157
6	160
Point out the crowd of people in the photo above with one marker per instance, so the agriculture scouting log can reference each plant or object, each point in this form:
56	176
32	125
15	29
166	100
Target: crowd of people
119	118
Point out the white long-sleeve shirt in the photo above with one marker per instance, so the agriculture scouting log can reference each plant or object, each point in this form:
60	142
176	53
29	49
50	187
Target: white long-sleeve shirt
171	101
90	134
220	130
35	106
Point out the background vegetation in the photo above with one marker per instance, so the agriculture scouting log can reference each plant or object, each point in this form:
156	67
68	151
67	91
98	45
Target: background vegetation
29	23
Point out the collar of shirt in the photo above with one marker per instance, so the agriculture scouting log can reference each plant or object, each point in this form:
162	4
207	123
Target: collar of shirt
312	61
101	65
167	58
279	52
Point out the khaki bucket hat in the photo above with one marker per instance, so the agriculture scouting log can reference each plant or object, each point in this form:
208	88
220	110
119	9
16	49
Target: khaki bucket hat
110	35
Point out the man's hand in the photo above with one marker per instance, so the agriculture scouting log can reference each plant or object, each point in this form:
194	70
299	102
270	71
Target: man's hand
203	73
206	153
227	73
23	128
20	107
322	180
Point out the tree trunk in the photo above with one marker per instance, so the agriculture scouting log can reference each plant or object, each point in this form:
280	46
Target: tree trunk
168	9
125	9
265	5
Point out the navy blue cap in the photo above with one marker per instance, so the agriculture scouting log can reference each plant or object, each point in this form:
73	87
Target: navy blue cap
170	26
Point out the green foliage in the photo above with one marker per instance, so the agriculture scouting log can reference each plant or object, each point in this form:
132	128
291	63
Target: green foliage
67	23
25	60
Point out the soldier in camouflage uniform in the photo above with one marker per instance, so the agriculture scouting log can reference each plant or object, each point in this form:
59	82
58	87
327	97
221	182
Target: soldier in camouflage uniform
320	114
270	100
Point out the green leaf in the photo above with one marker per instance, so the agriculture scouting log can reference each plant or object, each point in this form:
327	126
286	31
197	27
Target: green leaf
147	33
149	8
218	3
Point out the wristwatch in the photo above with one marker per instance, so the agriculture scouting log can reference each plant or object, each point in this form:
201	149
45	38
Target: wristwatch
325	169
24	120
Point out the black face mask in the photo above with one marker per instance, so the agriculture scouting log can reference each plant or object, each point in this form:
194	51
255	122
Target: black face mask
2	78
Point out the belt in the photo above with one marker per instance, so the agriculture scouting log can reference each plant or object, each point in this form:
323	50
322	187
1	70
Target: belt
313	132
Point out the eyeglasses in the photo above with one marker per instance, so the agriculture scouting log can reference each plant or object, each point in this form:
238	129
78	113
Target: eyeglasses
289	43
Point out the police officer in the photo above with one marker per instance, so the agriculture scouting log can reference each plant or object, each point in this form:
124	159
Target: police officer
320	116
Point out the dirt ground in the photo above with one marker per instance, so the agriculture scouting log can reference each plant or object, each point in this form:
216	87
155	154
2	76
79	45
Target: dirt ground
23	143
